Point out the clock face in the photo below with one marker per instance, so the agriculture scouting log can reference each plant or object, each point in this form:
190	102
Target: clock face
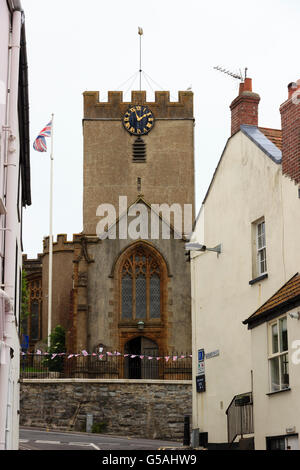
138	120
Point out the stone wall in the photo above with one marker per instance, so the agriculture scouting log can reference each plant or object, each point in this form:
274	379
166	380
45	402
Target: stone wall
152	409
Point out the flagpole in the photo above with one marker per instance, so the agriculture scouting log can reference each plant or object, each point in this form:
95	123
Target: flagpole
140	31
50	238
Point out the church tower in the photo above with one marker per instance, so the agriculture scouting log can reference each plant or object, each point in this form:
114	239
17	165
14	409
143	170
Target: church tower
132	294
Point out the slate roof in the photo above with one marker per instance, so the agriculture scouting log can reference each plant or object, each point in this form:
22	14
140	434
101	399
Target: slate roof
263	142
284	297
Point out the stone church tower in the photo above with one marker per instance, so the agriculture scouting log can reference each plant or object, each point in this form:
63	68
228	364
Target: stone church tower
129	294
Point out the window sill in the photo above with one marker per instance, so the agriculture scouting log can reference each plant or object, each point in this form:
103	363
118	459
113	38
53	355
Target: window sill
259	278
279	391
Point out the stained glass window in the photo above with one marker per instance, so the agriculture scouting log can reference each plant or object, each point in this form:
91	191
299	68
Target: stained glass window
141	276
127	296
31	324
35	320
141	297
155	296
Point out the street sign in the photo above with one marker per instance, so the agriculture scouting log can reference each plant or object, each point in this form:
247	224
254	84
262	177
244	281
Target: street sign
200	379
200	383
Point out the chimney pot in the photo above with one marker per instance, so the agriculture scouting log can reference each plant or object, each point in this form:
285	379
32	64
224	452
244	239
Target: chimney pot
244	109
291	88
248	84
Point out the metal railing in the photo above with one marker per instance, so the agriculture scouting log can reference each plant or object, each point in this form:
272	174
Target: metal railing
240	416
34	366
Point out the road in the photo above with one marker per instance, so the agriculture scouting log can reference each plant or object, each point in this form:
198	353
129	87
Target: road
38	439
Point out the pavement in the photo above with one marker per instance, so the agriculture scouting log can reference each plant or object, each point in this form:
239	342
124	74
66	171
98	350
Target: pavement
46	439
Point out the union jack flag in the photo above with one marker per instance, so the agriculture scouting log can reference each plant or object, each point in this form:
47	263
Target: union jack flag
40	144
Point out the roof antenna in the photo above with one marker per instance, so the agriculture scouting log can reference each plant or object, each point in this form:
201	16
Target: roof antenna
234	75
140	31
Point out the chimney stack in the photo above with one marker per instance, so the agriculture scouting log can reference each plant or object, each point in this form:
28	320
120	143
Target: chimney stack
290	124
244	109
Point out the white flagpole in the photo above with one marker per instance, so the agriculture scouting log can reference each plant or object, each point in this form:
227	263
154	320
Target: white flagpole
50	238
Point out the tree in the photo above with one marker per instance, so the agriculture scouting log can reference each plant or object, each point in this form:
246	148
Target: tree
57	346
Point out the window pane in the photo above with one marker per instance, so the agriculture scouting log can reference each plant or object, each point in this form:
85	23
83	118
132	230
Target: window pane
274	338
274	365
155	296
276	443
262	262
261	240
127	297
283	334
141	297
284	367
34	330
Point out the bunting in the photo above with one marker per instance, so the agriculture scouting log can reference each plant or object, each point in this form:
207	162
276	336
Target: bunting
84	353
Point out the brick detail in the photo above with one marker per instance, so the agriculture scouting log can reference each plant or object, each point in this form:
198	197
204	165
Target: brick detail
244	109
290	122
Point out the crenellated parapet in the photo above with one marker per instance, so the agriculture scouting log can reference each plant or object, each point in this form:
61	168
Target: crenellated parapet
115	107
61	244
32	266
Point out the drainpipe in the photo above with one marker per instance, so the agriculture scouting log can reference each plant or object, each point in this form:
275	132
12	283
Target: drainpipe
11	225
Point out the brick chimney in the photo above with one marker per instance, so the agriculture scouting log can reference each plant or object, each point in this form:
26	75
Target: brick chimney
244	109
290	123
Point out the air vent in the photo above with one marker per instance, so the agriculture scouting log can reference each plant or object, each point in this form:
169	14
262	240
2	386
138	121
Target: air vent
139	151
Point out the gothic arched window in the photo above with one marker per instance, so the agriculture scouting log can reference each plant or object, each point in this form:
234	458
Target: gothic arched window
141	285
31	323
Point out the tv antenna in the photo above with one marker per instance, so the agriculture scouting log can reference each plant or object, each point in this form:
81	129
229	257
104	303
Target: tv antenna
239	76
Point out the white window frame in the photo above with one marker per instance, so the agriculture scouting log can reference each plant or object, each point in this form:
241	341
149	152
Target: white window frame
261	250
277	355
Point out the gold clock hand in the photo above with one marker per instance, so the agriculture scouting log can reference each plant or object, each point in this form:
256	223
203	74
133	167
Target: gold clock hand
140	118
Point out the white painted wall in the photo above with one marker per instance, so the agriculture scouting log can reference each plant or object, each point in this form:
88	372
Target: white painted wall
247	186
9	151
275	413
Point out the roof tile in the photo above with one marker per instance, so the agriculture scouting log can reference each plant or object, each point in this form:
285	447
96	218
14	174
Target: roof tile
275	135
286	293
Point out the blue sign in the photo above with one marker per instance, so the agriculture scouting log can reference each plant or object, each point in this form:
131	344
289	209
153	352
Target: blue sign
200	354
25	342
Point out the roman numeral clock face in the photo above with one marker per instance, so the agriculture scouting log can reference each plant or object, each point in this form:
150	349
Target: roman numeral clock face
138	120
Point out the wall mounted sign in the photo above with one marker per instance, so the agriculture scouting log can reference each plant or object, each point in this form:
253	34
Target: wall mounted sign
212	354
200	379
200	383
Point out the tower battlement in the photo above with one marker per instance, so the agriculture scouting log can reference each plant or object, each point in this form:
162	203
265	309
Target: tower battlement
62	243
115	107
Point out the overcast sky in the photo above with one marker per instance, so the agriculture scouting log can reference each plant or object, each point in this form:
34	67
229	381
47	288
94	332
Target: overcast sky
76	45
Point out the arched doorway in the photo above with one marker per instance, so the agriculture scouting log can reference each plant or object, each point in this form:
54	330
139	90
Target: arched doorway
137	363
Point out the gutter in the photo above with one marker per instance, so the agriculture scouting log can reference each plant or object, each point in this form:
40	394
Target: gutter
23	108
271	313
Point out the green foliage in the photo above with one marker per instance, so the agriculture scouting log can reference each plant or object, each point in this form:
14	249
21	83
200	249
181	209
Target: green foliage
57	345
99	428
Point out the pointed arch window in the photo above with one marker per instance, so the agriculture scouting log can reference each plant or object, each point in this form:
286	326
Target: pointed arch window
141	286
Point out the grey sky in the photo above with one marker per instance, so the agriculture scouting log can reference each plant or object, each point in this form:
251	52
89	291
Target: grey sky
75	46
